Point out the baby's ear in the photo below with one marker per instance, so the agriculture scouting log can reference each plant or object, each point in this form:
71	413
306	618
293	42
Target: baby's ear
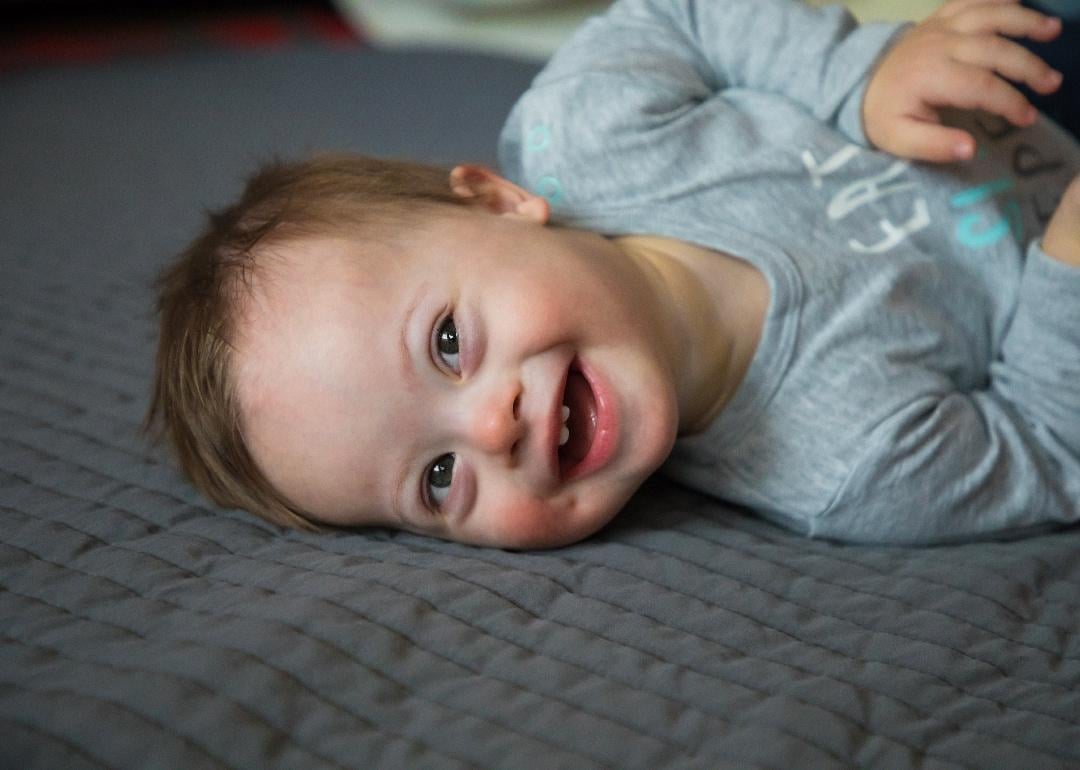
498	194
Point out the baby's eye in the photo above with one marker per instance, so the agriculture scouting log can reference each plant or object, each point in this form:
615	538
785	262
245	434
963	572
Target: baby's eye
437	481
446	344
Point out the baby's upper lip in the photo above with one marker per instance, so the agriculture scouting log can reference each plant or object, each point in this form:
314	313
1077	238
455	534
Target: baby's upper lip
555	422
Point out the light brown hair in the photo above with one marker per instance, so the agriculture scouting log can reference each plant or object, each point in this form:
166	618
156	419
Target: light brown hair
193	402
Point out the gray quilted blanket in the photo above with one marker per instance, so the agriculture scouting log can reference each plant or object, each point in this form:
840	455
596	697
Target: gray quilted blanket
141	627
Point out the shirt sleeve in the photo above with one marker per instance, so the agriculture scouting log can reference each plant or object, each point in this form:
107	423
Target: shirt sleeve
648	98
1005	460
819	58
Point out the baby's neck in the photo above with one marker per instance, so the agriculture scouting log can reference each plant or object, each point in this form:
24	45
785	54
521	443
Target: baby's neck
719	303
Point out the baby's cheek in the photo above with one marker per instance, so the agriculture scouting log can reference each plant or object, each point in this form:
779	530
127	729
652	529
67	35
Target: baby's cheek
531	523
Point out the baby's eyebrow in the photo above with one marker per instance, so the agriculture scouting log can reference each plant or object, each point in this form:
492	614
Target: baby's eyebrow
397	499
407	371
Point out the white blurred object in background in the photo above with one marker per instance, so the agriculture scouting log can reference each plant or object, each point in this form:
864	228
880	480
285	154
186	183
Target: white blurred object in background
529	29
532	29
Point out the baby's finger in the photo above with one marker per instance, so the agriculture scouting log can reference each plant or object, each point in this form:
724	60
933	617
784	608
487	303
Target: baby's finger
922	140
1006	19
976	88
990	52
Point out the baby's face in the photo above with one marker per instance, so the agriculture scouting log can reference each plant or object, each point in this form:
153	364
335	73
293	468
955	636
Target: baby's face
425	385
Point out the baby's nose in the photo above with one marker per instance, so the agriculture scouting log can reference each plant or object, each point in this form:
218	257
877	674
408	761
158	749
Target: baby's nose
495	425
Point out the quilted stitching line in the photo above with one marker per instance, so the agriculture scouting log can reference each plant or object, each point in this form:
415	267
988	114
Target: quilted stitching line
160	672
148	458
47	385
152	527
40	342
439	654
100	308
361	615
194	744
809	543
662	623
707	674
716	571
868	566
302	631
818	547
864	565
169	675
997	668
58	378
1017	617
200	510
127	451
103	344
467	622
243	653
72	747
917	709
515	603
823	613
502	638
118	285
601	674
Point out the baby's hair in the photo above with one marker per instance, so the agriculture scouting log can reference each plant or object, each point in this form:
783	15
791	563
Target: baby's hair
193	402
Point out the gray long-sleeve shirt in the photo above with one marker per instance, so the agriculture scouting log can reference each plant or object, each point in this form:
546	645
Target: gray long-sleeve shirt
918	374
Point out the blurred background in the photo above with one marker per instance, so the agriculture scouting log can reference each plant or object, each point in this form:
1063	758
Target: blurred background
41	32
527	27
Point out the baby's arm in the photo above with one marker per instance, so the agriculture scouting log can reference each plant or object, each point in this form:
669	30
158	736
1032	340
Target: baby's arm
657	97
818	58
957	57
955	464
1062	237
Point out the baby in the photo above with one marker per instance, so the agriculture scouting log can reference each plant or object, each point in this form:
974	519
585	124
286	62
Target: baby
707	253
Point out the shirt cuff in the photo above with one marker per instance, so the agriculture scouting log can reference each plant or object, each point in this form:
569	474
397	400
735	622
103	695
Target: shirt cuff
1049	302
849	120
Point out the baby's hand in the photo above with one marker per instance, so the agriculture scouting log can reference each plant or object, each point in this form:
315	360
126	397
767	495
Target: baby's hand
1062	237
956	57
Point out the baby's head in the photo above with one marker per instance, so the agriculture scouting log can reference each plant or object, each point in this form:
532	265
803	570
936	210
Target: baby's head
363	342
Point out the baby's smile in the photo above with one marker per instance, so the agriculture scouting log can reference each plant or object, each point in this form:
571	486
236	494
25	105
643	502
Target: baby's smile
585	419
579	422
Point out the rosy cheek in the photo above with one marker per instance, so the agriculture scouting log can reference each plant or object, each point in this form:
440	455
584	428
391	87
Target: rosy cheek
530	524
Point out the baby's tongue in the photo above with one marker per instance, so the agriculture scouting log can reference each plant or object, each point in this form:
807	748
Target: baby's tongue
582	423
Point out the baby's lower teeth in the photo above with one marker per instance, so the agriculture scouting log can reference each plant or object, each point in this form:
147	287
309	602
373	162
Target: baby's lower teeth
564	435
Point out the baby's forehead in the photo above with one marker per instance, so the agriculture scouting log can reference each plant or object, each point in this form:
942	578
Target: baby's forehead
294	271
299	365
308	295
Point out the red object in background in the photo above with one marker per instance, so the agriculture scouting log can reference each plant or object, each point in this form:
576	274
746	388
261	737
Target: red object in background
55	47
331	27
251	31
65	43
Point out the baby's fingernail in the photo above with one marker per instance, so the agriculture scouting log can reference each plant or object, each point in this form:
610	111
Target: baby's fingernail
1054	78
963	150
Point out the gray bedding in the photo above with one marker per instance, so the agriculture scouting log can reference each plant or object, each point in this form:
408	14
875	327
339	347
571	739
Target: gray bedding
141	627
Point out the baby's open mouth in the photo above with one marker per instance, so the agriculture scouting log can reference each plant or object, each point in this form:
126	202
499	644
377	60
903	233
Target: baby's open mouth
579	422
